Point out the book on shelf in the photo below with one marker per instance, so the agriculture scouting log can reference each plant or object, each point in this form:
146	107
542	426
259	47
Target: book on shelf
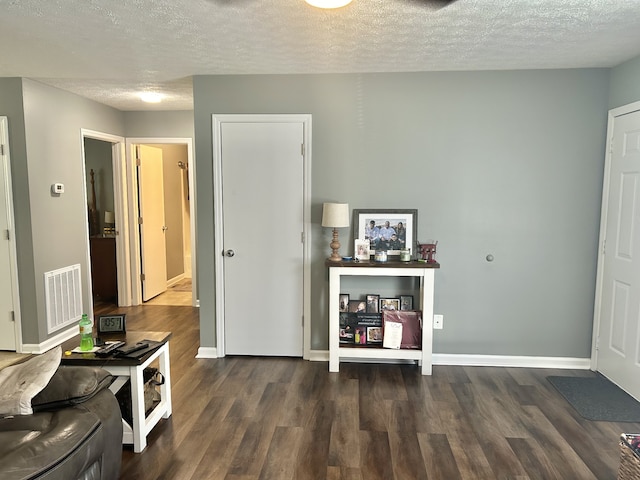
411	331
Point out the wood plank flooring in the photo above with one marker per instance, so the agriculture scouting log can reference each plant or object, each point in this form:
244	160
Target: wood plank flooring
244	418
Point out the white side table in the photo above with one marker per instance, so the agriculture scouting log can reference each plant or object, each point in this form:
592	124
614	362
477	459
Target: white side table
423	271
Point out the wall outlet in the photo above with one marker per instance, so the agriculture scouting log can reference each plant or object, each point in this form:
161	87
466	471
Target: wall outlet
438	322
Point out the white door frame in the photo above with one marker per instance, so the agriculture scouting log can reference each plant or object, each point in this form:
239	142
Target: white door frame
123	263
613	113
134	238
218	120
13	257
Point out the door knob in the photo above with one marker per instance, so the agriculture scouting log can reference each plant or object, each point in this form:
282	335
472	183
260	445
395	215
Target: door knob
165	228
229	253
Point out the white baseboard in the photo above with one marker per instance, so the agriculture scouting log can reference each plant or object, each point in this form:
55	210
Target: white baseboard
489	360
207	352
49	343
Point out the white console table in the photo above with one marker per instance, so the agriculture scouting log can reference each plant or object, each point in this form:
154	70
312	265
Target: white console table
424	271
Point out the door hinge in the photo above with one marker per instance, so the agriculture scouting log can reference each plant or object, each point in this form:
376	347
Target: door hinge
12	316
301	237
139	220
302	149
142	277
597	343
138	155
1	148
7	235
604	246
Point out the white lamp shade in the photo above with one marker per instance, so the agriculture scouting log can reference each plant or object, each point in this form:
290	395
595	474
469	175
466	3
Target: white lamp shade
109	217
335	215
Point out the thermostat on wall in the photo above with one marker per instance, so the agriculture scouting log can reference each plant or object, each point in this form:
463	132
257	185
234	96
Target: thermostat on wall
57	188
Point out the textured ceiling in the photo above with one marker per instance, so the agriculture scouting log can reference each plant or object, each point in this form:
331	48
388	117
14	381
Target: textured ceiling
110	50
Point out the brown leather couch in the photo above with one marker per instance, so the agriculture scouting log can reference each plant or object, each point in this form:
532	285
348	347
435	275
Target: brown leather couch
75	432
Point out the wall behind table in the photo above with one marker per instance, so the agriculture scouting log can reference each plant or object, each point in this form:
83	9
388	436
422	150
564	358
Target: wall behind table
506	163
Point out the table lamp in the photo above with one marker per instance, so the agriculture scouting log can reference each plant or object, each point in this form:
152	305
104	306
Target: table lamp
109	222
335	215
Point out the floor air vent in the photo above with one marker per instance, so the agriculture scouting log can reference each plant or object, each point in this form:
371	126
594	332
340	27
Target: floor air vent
63	297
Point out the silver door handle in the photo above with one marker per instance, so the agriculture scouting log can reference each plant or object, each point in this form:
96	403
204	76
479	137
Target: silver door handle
229	253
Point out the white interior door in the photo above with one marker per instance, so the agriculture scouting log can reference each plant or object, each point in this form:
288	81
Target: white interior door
152	228
618	350
7	286
262	203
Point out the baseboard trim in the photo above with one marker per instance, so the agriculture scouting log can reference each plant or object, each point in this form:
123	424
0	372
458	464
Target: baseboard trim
511	361
50	343
207	352
488	360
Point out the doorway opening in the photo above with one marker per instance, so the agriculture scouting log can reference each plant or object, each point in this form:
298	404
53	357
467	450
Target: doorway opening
163	218
113	215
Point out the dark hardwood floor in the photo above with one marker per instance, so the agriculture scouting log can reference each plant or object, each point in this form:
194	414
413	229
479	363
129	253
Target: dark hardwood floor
243	418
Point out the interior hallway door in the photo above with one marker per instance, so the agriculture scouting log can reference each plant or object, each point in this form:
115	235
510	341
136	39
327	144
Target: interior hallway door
618	354
152	229
262	203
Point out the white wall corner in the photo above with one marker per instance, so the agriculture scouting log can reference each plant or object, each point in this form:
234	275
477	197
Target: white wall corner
207	352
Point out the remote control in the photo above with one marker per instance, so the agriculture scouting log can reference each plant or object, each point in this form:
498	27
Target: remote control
107	349
133	348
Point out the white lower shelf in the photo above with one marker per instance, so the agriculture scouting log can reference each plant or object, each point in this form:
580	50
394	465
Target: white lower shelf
381	353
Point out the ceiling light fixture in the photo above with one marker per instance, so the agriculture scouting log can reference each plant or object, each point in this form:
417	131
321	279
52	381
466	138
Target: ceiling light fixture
328	3
151	97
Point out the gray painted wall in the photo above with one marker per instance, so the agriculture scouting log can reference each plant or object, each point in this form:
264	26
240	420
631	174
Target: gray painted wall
53	120
178	124
11	107
625	83
506	163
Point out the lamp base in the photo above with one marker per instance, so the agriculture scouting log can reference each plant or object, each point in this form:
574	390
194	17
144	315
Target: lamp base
335	246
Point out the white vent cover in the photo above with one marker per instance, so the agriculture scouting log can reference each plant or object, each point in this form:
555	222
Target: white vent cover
63	297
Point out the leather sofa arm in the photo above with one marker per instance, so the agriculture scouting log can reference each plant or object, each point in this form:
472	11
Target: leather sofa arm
71	386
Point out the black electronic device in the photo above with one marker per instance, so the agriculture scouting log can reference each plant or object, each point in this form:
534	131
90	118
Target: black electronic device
108	349
124	351
111	324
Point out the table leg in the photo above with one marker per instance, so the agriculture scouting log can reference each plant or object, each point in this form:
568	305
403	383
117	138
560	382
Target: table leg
165	370
138	409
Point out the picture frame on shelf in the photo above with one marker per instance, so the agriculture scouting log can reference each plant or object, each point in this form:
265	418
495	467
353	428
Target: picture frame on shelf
387	229
373	303
357	306
343	303
361	249
389	304
406	302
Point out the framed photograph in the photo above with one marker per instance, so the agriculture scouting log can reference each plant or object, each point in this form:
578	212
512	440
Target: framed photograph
389	230
373	303
361	249
389	304
406	302
344	302
357	306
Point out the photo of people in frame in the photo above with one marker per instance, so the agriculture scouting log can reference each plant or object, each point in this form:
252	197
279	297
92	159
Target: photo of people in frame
373	303
344	302
388	230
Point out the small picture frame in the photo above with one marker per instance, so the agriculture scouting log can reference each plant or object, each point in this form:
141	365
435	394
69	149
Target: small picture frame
406	302
373	303
389	304
374	334
357	306
343	303
361	249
